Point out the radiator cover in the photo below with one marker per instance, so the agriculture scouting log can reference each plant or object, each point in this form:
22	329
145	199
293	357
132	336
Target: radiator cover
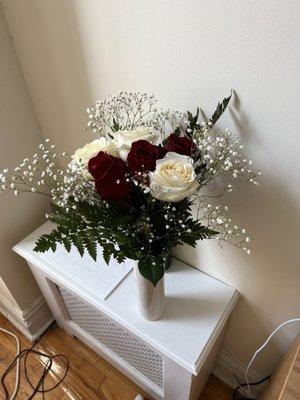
126	346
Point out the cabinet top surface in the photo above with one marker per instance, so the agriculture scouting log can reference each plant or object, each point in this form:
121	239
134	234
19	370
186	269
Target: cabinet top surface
197	305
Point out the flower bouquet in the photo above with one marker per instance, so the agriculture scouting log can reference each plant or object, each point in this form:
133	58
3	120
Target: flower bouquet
142	187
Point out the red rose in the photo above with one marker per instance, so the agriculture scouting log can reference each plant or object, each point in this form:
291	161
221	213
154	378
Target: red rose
143	155
180	145
109	174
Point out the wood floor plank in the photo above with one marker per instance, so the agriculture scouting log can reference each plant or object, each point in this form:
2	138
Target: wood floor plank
216	390
90	377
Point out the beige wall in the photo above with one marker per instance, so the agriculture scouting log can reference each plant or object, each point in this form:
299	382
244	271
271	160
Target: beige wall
53	67
19	133
191	53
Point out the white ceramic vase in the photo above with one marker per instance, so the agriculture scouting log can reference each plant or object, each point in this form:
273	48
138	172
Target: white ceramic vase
150	299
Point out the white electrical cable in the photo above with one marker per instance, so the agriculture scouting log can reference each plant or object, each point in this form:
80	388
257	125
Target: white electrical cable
17	364
248	390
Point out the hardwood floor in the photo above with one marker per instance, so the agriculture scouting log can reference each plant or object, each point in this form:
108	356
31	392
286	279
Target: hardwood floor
90	377
216	390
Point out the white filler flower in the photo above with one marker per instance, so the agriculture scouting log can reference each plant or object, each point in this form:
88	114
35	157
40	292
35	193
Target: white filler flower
174	178
82	156
124	139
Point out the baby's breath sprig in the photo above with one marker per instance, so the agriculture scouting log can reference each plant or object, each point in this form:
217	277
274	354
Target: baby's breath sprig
221	152
129	110
216	217
37	174
44	173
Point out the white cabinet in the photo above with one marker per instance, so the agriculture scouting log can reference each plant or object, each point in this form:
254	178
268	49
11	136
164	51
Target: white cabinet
170	358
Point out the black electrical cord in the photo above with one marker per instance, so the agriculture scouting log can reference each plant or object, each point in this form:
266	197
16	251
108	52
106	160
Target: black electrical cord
40	386
235	393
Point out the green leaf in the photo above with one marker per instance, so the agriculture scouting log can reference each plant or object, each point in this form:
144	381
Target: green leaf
198	232
106	254
193	121
120	257
190	117
221	107
153	273
67	244
77	241
53	246
91	247
196	117
42	244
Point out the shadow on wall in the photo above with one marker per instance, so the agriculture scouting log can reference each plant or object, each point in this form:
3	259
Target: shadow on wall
269	279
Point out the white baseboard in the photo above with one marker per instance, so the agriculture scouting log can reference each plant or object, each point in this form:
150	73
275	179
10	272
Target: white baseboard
32	321
227	366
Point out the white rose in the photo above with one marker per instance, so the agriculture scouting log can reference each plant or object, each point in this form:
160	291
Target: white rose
90	150
174	178
124	139
82	156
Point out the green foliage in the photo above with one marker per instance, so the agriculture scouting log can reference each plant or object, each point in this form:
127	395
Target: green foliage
122	231
221	107
81	229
